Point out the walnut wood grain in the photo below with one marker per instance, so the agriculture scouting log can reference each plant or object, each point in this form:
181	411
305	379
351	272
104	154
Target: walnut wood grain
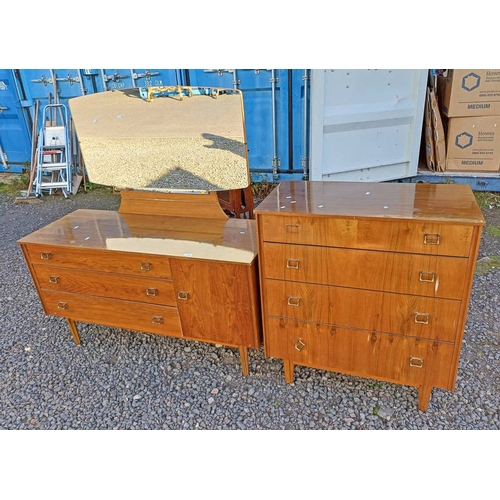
147	265
368	279
149	318
399	236
217	301
99	284
202	206
358	352
396	313
450	203
383	271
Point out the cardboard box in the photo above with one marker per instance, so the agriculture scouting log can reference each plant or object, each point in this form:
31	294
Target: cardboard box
470	92
473	144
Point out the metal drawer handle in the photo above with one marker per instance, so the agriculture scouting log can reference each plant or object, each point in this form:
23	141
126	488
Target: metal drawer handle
422	318
427	277
157	320
151	292
53	279
145	266
182	295
62	305
431	239
416	362
45	255
293	301
292	263
299	345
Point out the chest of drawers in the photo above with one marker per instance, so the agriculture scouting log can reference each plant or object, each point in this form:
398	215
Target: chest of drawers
371	280
191	277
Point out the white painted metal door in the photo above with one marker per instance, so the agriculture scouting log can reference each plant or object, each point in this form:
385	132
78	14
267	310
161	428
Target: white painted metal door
366	124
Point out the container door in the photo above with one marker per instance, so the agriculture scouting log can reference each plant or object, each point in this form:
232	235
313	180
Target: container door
274	115
15	140
366	125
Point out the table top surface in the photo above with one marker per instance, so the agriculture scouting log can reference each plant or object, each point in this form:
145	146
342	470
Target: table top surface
416	201
231	240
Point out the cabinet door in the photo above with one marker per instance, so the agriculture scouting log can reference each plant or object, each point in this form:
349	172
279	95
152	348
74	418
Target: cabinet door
217	301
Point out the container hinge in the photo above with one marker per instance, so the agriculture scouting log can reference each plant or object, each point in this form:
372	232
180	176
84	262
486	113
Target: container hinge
274	80
276	165
305	168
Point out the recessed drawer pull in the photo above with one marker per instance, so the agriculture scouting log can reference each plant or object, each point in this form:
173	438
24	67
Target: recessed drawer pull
157	320
151	292
292	226
299	345
62	305
422	318
292	263
431	239
427	277
416	362
145	266
53	279
293	301
45	255
182	295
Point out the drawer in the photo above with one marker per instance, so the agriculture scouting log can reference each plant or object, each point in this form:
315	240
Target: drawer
114	286
393	358
153	266
417	274
162	320
389	235
409	315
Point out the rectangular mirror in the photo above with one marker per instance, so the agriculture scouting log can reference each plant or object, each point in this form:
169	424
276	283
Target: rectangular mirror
168	139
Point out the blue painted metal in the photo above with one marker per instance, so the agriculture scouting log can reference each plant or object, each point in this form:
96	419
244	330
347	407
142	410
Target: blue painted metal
289	138
15	139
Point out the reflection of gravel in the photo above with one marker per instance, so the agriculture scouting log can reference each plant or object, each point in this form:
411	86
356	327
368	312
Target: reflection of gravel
161	163
128	380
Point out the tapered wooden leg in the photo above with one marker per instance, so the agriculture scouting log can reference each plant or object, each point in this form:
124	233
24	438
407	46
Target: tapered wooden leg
424	395
244	359
74	330
288	367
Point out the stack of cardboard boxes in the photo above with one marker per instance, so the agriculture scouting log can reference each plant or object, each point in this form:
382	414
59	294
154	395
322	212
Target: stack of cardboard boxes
470	105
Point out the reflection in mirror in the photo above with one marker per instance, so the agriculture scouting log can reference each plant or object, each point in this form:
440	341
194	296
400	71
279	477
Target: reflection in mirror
166	139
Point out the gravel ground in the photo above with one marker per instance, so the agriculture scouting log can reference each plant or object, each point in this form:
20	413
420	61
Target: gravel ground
119	379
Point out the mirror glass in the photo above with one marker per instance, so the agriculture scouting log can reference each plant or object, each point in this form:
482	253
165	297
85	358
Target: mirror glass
166	139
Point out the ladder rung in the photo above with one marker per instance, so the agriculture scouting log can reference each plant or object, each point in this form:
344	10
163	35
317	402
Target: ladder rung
53	185
53	166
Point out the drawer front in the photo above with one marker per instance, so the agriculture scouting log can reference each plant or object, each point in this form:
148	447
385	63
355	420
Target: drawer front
162	320
394	236
389	357
152	266
149	290
409	315
427	275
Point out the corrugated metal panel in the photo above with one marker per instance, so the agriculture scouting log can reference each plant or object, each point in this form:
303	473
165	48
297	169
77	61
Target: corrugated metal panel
366	125
15	140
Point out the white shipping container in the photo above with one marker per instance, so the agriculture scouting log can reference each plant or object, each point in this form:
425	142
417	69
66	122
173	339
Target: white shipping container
366	124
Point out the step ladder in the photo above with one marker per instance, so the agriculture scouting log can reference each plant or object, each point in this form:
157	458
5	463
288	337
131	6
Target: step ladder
53	163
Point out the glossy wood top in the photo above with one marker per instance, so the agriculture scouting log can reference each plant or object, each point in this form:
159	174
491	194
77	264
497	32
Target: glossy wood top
230	240
416	201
